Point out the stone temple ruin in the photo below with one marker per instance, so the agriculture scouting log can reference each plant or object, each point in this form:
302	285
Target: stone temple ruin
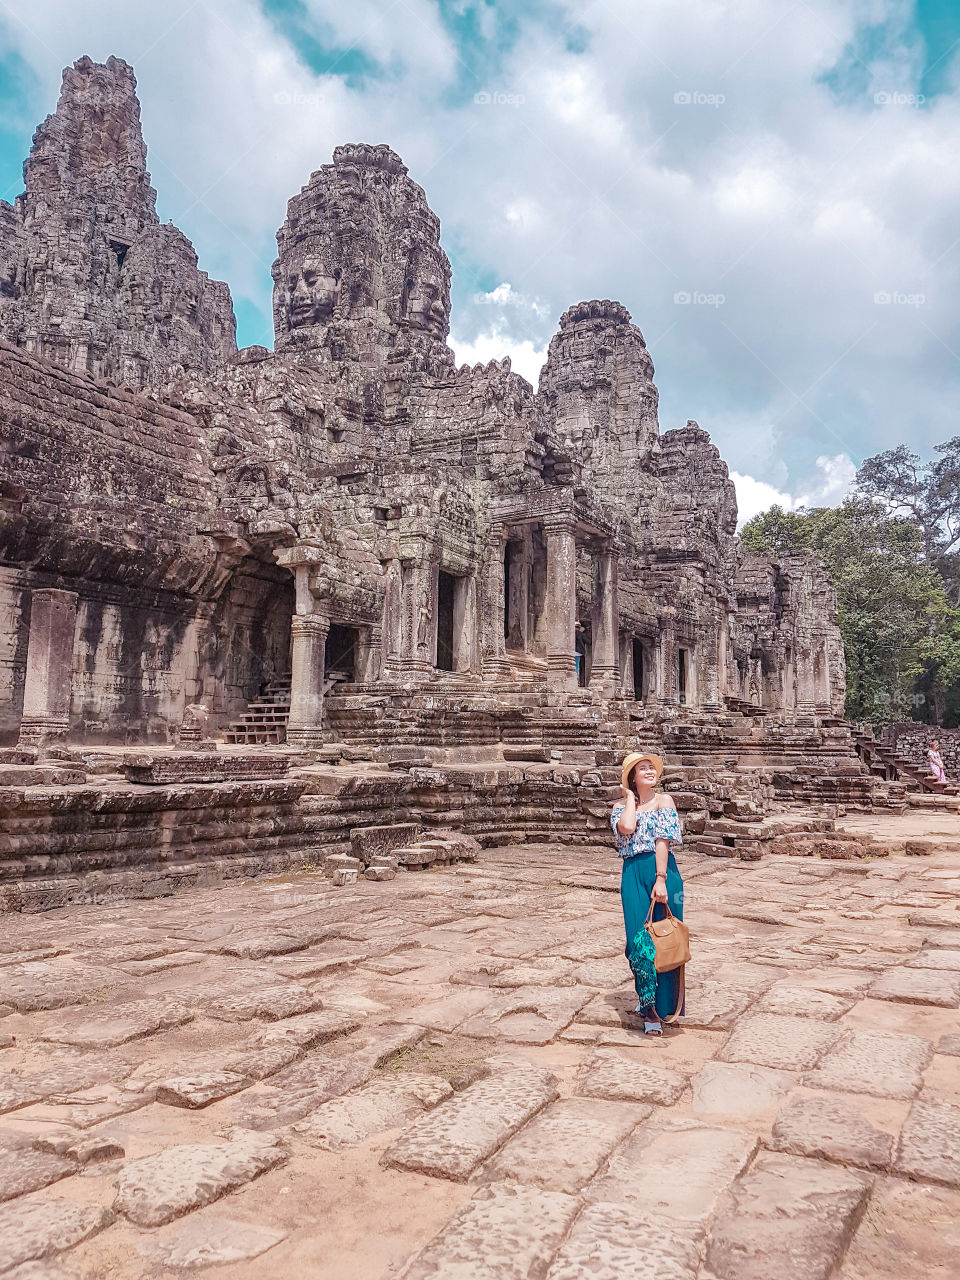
255	600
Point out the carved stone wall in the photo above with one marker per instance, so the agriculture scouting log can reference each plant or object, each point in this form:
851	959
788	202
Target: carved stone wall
483	549
89	278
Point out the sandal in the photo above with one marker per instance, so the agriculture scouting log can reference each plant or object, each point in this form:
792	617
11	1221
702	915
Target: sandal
652	1025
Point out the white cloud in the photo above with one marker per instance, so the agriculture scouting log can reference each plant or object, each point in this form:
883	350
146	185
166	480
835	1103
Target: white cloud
837	475
754	496
797	204
494	344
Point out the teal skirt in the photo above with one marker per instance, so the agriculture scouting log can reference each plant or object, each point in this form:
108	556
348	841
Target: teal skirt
636	889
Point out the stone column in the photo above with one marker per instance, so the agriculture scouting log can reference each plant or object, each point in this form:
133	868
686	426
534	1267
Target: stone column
309	636
561	603
48	686
605	675
465	625
806	693
668	675
708	656
495	665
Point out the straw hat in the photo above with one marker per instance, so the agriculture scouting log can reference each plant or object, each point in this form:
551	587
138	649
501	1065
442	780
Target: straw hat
631	762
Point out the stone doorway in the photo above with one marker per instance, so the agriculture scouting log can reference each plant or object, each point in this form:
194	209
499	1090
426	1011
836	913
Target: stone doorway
639	670
683	675
340	654
446	601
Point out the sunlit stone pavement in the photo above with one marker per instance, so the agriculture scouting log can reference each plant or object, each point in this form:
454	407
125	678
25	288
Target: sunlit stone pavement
439	1076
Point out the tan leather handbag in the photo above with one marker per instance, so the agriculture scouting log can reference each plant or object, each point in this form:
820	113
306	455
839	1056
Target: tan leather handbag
671	940
671	947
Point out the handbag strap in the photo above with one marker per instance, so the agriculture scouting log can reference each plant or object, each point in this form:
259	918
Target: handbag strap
681	994
650	912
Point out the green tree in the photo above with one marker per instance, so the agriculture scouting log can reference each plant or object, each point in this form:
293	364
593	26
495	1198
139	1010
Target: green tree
925	492
894	614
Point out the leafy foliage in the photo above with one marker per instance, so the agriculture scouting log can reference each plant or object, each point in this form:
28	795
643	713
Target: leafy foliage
900	632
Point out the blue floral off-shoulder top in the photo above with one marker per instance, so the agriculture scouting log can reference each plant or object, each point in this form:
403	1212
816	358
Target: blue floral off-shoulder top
652	825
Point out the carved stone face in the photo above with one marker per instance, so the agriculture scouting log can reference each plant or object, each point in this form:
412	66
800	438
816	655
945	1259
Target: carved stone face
306	294
426	303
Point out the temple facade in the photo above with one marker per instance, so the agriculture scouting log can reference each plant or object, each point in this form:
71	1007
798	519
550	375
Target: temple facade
348	536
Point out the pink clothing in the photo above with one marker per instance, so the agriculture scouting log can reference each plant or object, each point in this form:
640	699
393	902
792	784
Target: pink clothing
937	771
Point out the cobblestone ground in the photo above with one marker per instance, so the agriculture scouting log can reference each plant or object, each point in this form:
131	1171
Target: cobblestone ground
440	1077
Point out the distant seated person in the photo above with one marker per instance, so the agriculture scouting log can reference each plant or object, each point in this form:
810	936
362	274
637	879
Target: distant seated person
935	761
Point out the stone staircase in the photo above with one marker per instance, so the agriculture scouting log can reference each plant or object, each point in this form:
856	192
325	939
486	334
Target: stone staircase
265	719
886	762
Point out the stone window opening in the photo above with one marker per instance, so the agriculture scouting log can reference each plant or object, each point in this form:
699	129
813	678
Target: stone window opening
683	674
120	251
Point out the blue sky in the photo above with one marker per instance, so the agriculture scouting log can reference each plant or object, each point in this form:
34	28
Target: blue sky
770	187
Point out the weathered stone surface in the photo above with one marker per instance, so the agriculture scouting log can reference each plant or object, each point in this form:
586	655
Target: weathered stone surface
310	1029
100	1028
564	1146
158	1188
918	986
804	1002
271	1001
929	1146
936	958
677	1171
527	1015
786	1217
714	1006
613	1241
831	1129
949	1044
299	1089
611	1075
40	1228
772	1040
884	1063
200	1090
206	1241
454	1139
506	1232
52	984
909	1229
375	1107
448	1011
738	1088
23	1167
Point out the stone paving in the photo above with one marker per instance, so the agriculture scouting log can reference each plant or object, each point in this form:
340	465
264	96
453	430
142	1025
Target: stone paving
440	1076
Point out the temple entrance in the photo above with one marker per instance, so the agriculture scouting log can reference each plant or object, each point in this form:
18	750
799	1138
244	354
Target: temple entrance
446	597
638	670
340	654
582	649
683	674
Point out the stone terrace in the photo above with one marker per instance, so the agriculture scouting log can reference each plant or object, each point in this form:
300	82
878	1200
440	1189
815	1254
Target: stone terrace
439	1076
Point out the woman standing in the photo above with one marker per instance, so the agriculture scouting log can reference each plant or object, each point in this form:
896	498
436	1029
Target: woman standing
645	823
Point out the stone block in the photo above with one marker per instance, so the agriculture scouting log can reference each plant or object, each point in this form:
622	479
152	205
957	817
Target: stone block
831	1129
786	1217
157	1188
608	1242
103	1026
506	1232
209	1241
739	1089
774	1040
373	1108
884	1063
919	848
563	1147
918	986
461	1133
40	1228
617	1078
368	843
929	1147
380	873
